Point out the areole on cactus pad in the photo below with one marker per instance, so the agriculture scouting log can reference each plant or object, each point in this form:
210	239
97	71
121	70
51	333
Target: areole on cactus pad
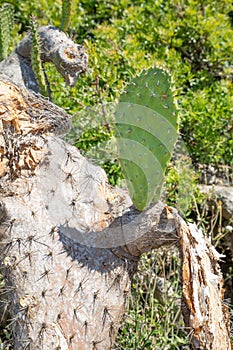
146	132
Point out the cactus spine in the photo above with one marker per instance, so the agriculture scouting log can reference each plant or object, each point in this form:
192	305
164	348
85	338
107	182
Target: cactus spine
36	58
66	12
146	132
6	25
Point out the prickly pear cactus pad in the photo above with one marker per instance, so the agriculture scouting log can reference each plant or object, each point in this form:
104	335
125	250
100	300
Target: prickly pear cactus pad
146	132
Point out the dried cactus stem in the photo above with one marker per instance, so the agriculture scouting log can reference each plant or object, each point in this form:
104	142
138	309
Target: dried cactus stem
69	58
36	58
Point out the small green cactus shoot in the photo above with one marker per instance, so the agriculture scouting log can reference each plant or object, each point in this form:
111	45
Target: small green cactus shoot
6	25
66	12
36	58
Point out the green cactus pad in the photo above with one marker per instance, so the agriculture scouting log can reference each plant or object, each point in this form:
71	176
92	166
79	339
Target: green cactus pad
146	132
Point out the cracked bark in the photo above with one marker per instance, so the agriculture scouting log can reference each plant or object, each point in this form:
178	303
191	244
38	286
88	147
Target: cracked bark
70	243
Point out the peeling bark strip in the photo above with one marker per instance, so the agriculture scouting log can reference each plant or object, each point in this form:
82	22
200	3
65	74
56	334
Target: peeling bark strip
70	243
203	307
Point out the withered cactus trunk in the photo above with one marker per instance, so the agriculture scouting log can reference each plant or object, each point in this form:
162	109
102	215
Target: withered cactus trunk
70	243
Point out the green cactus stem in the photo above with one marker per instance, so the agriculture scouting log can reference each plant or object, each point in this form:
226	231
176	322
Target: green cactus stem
36	58
146	132
66	13
6	25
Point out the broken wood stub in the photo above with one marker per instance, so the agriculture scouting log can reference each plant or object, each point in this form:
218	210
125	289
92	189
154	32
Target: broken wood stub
203	307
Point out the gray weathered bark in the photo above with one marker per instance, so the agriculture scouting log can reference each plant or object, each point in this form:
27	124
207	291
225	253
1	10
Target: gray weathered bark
70	243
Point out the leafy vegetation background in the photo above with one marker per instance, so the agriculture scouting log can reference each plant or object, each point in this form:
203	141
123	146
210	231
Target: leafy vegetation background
193	40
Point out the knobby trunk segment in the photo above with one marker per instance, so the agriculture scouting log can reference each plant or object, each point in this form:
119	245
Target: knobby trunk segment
69	58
